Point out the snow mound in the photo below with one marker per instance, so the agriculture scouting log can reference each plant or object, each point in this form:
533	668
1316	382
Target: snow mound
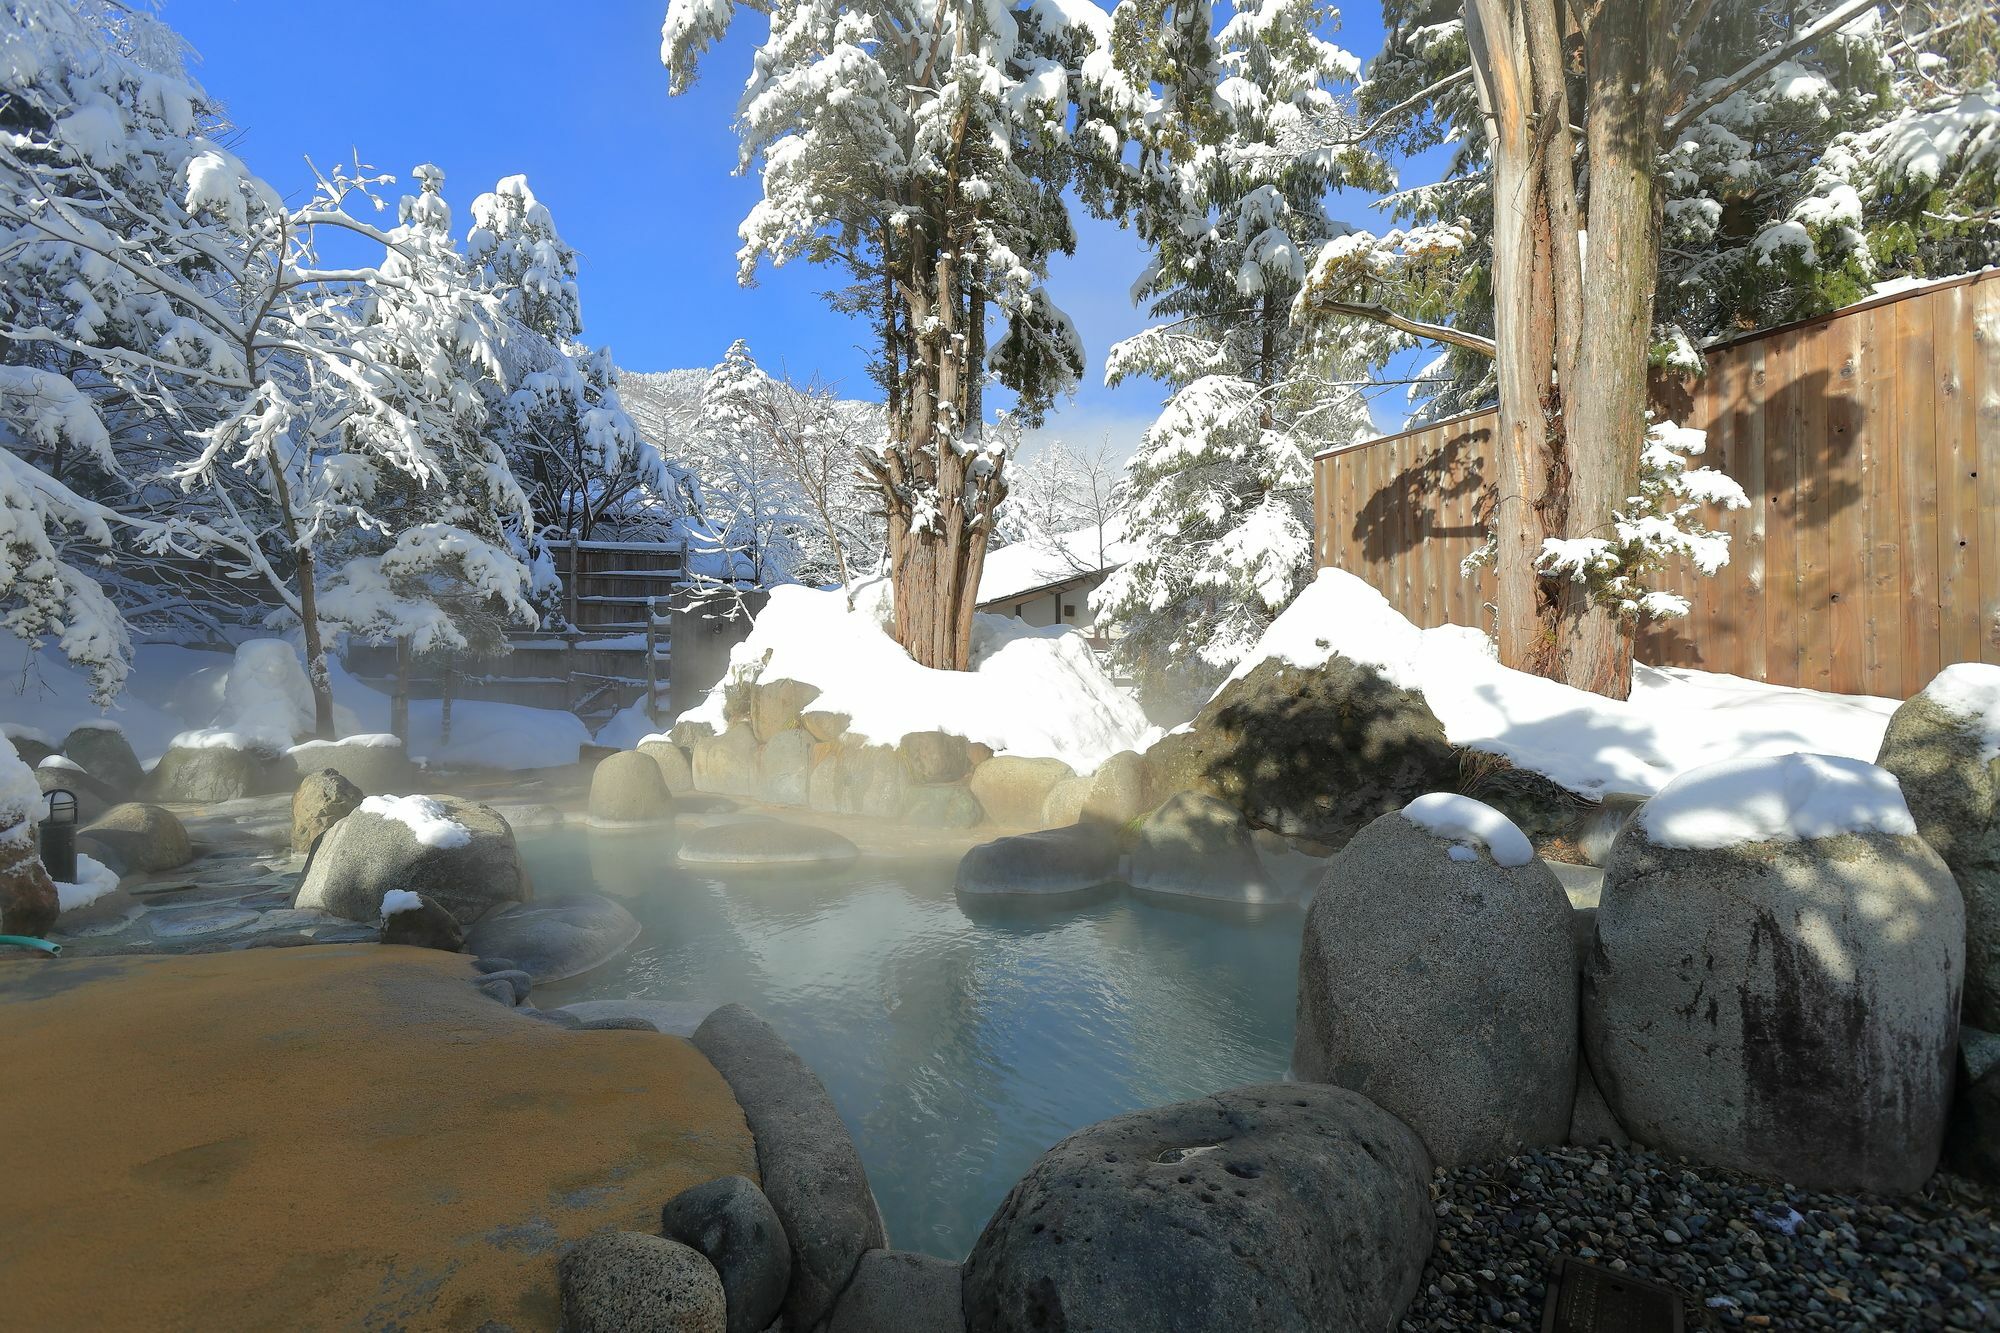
267	695
20	794
1463	821
370	740
60	761
1675	721
627	728
427	820
1971	690
94	879
1038	693
1786	798
397	901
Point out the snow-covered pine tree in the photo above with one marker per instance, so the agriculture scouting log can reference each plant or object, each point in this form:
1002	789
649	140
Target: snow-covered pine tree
924	149
1069	500
755	512
1220	524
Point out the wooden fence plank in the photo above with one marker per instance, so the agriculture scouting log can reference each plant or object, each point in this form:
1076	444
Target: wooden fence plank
1749	526
1986	439
1846	527
1880	436
1917	410
1958	481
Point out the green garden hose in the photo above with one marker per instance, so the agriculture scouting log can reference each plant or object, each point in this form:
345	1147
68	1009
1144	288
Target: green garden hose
30	942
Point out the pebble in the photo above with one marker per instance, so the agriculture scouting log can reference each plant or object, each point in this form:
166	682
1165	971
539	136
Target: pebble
1747	1253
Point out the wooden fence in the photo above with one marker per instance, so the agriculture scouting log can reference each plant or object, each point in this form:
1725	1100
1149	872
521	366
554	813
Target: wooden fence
1868	442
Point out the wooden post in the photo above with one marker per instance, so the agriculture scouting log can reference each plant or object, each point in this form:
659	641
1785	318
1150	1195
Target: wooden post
399	699
652	664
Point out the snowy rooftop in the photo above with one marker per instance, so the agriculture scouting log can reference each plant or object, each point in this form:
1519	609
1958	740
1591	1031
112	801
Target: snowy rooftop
1028	565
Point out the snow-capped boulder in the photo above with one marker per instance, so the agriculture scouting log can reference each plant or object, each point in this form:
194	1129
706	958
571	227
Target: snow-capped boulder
1775	981
726	764
1437	978
106	755
1277	1206
28	901
415	921
775	705
1071	859
1316	752
734	1226
672	761
322	800
1012	790
630	1282
377	763
935	756
1943	745
457	853
1196	846
134	838
210	766
784	767
627	788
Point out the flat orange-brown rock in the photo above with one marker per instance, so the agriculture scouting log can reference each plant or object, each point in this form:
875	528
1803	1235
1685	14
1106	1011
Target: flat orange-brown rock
319	1138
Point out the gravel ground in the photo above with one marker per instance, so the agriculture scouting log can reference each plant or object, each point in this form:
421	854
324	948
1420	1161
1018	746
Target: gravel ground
1749	1254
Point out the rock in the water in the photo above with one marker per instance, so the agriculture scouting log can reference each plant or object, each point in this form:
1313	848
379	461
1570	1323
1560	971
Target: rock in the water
764	842
731	1222
1012	790
1788	1009
727	764
675	770
28	901
377	764
1278	1206
628	1282
1197	846
811	1171
135	839
951	805
1064	805
677	1017
1118	790
1059	860
783	767
322	800
214	772
895	1292
1443	989
409	842
555	938
935	756
106	755
425	926
628	788
775	706
1316	753
1951	782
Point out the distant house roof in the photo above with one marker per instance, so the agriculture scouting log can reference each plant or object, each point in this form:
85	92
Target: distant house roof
1039	566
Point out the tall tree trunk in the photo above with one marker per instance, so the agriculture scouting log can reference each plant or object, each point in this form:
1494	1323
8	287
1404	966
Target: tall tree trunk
315	645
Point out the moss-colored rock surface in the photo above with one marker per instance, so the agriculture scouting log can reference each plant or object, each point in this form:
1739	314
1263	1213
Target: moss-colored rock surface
339	1137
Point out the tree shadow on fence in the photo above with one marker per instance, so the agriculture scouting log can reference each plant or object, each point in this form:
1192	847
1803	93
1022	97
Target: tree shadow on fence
1442	494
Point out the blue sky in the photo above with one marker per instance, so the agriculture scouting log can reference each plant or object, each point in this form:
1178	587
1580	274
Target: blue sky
574	97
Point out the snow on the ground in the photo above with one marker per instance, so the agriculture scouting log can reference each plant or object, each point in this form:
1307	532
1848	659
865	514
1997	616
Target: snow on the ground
1024	566
397	901
94	879
267	694
367	740
1676	719
1031	692
171	690
1971	690
627	728
1775	798
428	820
1461	820
484	734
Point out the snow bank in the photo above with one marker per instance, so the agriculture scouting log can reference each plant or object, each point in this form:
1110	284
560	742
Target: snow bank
627	728
171	690
370	740
398	901
1031	692
94	879
1971	690
1785	798
426	819
1675	721
1463	821
267	696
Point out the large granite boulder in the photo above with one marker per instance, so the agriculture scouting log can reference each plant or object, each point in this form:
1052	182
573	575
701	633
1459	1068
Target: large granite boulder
1013	790
627	788
734	1226
1064	805
376	763
555	938
859	779
946	805
784	767
764	842
29	746
28	901
823	725
629	1282
457	853
1313	752
895	1292
1786	1006
412	920
106	755
1120	790
1279	1206
1198	846
808	1164
93	798
775	706
672	760
1074	859
726	764
1944	747
1441	984
935	756
136	839
322	800
209	768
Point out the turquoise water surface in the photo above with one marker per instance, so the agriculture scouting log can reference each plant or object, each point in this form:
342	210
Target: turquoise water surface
957	1050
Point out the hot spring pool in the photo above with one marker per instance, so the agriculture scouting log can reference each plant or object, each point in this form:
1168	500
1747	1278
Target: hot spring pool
956	1049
